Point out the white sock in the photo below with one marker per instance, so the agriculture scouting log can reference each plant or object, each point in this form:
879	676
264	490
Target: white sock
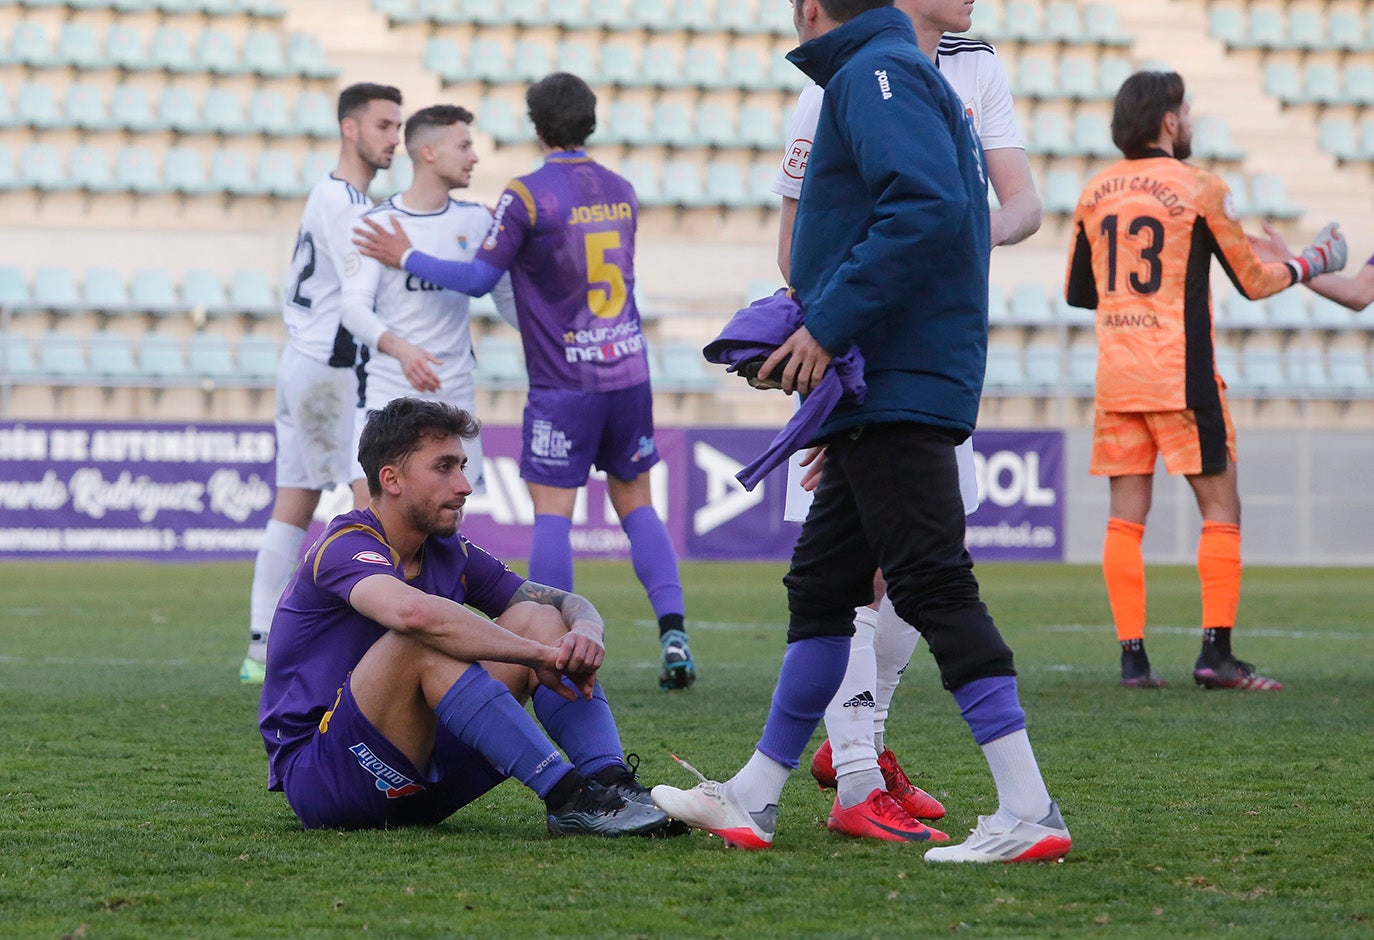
1020	788
849	717
894	641
276	562
758	785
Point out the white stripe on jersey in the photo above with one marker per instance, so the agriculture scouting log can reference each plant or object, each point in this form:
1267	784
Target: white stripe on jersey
429	316
969	65
310	300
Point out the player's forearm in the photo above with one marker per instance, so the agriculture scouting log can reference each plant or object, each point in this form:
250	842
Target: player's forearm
452	629
1017	219
787	218
473	278
1354	292
358	317
577	612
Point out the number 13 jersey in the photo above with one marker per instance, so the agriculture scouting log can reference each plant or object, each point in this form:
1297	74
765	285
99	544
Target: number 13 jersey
566	233
1145	232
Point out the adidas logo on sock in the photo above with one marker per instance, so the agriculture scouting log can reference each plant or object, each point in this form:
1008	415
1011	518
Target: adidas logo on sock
862	700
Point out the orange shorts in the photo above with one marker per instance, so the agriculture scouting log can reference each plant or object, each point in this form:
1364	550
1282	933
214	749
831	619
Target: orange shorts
1192	441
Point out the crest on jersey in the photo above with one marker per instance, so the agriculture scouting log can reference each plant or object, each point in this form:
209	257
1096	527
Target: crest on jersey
463	242
352	264
794	164
373	558
1228	205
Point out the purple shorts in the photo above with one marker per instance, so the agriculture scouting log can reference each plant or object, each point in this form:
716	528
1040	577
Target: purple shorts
567	431
350	777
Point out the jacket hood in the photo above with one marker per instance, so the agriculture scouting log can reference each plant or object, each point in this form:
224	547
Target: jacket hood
823	56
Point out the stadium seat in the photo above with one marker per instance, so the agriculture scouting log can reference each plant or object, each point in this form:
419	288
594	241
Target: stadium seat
14	288
1102	25
1212	140
305	56
530	61
54	288
1049	135
178	110
30	45
1078	77
1266	28
679	367
784	76
161	358
660	66
1262	370
268	114
262	55
443	12
620	64
627	123
1112	70
103	291
88	169
488	61
758	127
1329	315
7	115
208	356
397	11
151	291
747	70
1306	29
1366	138
1357	78
1270	197
524	12
204	290
132	110
35	105
1306	367
251	293
571	14
644	177
715	125
62	355
703	65
1044	365
499	118
41	167
1062	22
1238	313
682	183
170	50
136	171
321	163
125	49
230	173
694	16
500	363
9	173
653	15
111	356
443	59
725	186
1092	136
1281	81
606	14
1287	311
1321	84
1349	372
1004	369
761	176
1336	135
1345	30
483	12
1240	193
1030	306
673	125
257	359
1080	374
84	107
735	16
1036	78
79	47
216	52
222	112
17	359
578	59
278	175
1070	316
1021	22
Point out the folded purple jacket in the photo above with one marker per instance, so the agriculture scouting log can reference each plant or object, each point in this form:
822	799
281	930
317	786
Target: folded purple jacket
758	330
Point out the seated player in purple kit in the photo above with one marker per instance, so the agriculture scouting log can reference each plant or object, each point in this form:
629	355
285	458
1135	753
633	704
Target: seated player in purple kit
388	702
566	234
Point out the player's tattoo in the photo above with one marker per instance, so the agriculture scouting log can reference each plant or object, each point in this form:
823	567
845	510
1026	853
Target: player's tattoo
573	607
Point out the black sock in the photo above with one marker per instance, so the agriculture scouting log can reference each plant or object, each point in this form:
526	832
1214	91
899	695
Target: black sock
564	790
615	773
1216	643
671	622
1134	662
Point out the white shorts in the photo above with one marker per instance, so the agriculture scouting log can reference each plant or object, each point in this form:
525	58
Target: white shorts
316	411
799	500
456	387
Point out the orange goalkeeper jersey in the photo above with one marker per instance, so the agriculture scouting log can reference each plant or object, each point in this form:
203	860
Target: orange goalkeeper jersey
1145	232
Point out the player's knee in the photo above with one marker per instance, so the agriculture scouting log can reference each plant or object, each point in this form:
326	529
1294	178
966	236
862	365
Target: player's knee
538	622
813	616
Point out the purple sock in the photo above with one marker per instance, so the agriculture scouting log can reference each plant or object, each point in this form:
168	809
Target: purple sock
482	713
654	561
585	730
812	670
991	708
551	559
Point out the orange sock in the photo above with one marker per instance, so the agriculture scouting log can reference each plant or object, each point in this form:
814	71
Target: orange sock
1218	567
1123	568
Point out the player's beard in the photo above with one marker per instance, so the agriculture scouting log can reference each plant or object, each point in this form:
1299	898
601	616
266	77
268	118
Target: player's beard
1183	148
433	521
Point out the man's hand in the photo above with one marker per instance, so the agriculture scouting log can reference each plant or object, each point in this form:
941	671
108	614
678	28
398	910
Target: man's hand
415	361
580	654
814	461
377	242
1327	253
1270	249
549	675
809	360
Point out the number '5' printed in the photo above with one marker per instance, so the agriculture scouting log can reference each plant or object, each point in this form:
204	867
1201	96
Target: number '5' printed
605	302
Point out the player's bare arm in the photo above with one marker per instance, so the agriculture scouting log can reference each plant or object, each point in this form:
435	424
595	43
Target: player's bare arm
582	649
1354	291
1019	215
386	245
452	629
786	219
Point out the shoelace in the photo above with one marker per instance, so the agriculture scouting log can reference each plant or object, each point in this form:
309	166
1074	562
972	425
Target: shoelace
710	787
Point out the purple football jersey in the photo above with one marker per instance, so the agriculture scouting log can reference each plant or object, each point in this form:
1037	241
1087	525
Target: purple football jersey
317	638
566	233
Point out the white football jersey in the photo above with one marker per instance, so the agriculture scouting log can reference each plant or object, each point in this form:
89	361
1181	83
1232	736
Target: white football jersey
969	65
311	303
422	313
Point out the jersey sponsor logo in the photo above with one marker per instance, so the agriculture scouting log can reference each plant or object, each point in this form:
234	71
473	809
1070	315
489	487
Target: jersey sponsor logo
372	558
798	152
389	780
1131	319
496	217
605	352
884	86
602	212
414	283
646	450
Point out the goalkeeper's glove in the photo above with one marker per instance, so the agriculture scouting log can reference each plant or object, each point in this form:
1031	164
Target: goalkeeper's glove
1327	253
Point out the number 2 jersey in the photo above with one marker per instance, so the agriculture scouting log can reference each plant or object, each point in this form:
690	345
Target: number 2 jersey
566	234
311	303
1145	232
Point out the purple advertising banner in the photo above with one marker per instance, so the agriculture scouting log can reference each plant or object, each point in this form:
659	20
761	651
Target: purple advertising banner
155	491
204	492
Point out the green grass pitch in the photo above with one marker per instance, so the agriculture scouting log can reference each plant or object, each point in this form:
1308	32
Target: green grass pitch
132	798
